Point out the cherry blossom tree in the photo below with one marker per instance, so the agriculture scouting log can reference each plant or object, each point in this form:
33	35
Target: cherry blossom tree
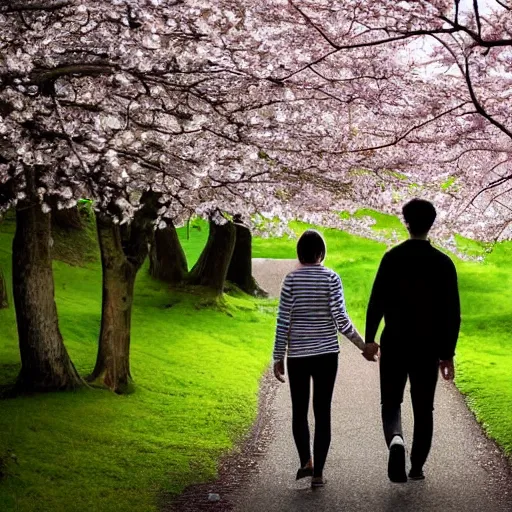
121	102
372	83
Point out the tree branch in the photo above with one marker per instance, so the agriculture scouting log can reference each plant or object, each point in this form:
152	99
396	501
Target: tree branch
493	184
409	131
505	6
309	21
41	76
474	35
477	17
479	107
36	6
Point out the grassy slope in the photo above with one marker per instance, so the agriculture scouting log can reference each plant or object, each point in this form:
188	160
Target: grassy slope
484	354
197	373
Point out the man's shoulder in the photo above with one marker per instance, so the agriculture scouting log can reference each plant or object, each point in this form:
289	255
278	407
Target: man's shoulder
443	258
404	247
395	250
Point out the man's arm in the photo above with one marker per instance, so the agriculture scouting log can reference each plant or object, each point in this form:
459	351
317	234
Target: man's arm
375	310
451	314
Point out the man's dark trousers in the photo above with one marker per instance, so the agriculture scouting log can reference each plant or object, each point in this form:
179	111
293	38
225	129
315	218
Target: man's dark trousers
422	370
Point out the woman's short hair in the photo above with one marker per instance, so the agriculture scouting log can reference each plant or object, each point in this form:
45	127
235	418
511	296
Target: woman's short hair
419	215
311	247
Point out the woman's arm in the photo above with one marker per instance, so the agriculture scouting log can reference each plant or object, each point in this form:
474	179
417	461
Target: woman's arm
340	315
283	319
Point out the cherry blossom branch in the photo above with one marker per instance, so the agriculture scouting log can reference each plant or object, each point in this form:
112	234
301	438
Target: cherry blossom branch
504	226
455	27
495	198
410	130
490	186
465	72
314	25
476	36
242	180
505	6
378	42
477	17
71	144
489	149
36	6
479	107
75	69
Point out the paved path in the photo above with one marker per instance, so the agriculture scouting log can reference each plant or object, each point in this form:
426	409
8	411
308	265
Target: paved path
465	472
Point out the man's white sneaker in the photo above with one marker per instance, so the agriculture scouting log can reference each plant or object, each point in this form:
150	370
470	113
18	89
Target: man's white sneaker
396	462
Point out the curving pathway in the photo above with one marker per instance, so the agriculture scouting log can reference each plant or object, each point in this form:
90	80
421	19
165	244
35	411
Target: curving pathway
465	472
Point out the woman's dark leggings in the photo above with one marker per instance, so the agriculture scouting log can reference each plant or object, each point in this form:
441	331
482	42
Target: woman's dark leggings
322	369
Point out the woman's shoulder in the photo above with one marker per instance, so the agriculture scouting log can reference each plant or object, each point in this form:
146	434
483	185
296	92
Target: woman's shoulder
333	275
317	270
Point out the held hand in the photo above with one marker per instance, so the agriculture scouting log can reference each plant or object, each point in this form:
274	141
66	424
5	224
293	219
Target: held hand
279	370
370	351
447	369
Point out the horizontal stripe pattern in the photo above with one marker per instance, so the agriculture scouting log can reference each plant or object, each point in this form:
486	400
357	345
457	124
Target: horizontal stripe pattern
311	313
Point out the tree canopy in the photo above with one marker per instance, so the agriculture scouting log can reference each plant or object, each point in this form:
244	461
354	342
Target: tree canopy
290	108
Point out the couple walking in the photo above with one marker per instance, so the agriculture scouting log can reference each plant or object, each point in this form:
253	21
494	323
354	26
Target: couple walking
416	293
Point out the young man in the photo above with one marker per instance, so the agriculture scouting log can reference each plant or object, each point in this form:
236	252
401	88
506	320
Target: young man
416	293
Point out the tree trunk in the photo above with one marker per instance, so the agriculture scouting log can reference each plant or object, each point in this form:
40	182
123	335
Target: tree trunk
240	267
112	368
45	364
4	303
167	260
212	266
68	218
123	251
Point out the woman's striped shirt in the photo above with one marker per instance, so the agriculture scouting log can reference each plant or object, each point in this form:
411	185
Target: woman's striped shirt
311	313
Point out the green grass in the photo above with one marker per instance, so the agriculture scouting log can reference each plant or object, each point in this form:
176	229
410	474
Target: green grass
197	371
485	355
473	248
193	240
384	223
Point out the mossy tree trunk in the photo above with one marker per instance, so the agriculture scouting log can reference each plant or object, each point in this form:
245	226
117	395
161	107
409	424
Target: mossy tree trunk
240	266
4	303
123	251
69	218
167	260
112	367
212	266
45	363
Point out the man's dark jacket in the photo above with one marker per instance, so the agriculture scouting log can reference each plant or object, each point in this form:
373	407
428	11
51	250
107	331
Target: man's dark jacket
417	294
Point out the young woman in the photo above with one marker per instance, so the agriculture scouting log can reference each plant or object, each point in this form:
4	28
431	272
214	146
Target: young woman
311	313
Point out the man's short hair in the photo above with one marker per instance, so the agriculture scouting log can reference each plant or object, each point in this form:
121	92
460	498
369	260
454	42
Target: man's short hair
311	247
419	216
